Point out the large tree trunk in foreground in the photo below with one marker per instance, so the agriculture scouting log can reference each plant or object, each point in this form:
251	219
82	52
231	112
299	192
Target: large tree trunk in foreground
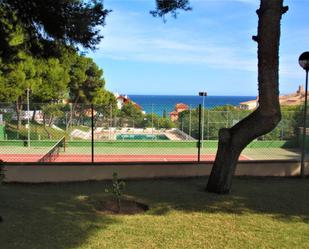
265	118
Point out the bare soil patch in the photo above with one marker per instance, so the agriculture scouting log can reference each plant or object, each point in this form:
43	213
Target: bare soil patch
127	207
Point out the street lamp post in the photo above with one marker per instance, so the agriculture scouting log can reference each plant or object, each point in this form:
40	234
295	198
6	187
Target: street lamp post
28	115
203	94
190	121
304	63
111	122
151	118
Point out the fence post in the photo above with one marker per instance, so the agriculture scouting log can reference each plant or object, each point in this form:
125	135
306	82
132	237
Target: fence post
92	135
208	131
190	121
111	122
199	133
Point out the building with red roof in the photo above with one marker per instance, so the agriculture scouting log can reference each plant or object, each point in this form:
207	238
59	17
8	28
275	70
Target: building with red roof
179	107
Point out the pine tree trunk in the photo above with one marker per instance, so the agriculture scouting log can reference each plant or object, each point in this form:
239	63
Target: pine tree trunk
72	111
44	126
266	117
18	107
33	115
51	120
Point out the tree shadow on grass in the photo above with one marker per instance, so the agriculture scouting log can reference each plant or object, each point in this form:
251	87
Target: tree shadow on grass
53	216
282	198
47	216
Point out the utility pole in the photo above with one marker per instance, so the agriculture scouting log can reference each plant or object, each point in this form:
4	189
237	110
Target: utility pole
304	63
28	114
203	94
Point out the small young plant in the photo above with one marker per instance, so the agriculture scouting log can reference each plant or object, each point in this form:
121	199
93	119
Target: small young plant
117	190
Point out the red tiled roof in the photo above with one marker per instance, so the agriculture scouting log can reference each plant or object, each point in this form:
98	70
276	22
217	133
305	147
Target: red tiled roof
181	106
125	100
137	105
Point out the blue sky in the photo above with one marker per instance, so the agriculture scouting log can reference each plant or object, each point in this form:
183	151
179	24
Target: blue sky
208	48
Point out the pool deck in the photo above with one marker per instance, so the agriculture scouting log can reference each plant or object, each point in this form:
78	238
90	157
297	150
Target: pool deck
100	133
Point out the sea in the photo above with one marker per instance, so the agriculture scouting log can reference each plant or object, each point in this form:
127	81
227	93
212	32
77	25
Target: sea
158	103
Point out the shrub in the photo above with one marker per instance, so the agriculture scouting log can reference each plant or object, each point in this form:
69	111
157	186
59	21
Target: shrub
117	190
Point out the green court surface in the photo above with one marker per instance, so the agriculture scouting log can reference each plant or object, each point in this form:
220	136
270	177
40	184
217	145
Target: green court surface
271	151
23	150
272	154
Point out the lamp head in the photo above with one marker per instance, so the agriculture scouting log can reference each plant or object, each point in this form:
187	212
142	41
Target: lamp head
304	60
202	93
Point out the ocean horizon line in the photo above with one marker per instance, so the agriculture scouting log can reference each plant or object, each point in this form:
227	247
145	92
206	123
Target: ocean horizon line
187	95
161	103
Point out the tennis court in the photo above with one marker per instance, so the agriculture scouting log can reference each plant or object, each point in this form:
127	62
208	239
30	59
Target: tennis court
57	151
22	154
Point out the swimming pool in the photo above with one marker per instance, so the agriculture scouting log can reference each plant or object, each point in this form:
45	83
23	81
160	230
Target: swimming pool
141	137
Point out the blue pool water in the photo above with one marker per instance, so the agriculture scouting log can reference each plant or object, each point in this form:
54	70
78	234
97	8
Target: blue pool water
141	137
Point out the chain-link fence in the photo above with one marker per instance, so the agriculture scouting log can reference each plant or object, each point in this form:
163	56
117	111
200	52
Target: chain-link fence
73	132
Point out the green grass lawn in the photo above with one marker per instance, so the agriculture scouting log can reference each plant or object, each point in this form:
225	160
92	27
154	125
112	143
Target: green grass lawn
259	213
37	131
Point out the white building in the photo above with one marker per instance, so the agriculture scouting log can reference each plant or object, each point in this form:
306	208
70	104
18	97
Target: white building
124	99
249	105
24	115
121	100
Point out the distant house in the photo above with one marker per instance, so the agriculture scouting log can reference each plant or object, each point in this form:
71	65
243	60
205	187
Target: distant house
121	100
249	105
296	98
124	99
174	116
88	112
180	107
24	115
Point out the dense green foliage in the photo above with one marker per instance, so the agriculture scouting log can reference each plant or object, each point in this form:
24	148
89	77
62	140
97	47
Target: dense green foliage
58	73
153	119
73	22
164	7
227	116
131	115
85	80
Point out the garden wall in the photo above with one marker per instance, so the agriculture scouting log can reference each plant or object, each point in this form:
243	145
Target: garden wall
70	173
